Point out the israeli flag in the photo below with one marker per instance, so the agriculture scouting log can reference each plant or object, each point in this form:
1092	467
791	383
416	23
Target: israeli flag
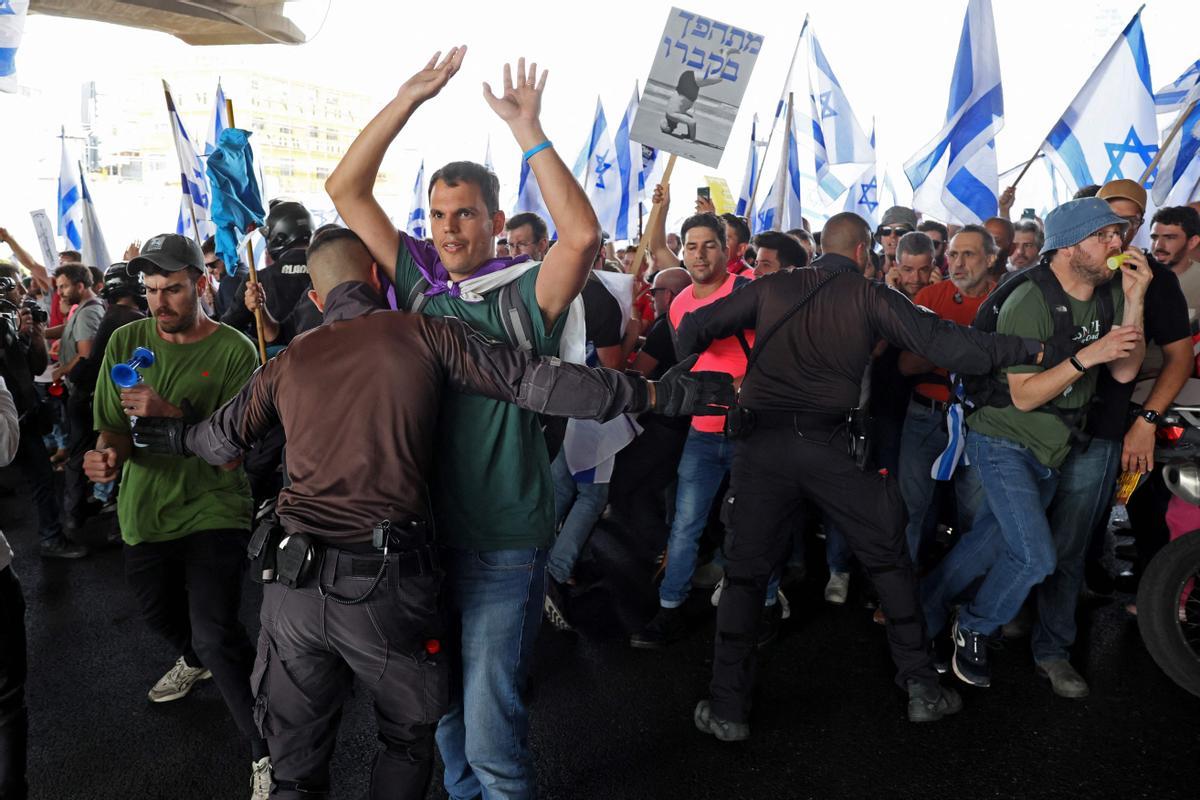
837	136
954	177
1096	141
70	201
781	209
1170	98
1179	168
629	168
487	157
746	195
196	202
218	122
529	198
418	216
862	197
602	174
12	26
95	251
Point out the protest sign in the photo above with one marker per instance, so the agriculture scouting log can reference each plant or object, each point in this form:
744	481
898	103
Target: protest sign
697	80
45	235
719	193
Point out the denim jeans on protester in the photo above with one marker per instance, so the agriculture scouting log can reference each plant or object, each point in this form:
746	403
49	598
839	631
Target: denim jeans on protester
495	602
1010	545
705	460
838	555
577	508
1084	488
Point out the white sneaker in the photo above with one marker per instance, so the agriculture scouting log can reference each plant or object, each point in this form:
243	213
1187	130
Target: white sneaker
785	608
260	779
716	595
838	588
177	682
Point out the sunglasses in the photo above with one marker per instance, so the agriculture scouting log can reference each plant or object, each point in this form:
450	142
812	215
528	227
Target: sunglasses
884	232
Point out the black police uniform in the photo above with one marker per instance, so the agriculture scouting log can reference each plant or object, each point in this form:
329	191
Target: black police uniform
805	377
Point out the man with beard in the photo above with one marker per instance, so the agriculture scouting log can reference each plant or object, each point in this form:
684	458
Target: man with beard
185	524
1018	447
1027	244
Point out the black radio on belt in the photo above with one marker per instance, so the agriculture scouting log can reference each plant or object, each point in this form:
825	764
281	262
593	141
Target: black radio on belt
263	547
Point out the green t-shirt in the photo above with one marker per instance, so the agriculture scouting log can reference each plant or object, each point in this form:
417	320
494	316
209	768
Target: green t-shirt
168	497
1025	313
491	485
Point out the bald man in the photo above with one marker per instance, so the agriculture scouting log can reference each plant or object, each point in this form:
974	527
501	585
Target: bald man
353	519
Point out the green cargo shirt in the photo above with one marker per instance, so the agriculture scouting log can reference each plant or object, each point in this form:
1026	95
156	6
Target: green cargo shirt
167	497
1025	313
491	485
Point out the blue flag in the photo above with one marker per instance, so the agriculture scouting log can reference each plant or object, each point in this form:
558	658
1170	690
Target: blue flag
1179	168
70	201
12	26
781	210
219	121
529	198
954	177
418	217
837	136
1171	97
1096	142
629	167
236	203
746	195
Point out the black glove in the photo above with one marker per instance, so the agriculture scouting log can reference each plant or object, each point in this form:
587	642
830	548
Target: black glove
681	392
164	435
1054	354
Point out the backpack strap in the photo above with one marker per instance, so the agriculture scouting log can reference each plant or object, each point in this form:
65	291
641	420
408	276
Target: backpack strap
514	316
416	295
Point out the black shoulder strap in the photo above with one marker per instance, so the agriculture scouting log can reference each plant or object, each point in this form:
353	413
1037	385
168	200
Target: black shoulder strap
514	316
1057	301
1105	307
760	341
738	282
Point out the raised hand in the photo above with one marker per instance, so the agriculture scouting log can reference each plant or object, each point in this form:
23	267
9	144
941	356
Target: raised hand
1135	274
430	80
522	101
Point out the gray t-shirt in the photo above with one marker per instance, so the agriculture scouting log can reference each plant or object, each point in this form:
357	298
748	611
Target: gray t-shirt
81	327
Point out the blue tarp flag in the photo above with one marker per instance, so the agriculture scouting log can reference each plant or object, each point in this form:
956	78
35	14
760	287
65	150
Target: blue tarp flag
1171	97
1179	168
418	216
236	203
1094	142
954	177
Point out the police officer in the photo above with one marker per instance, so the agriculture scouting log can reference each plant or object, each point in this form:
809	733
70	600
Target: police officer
282	288
358	576
799	441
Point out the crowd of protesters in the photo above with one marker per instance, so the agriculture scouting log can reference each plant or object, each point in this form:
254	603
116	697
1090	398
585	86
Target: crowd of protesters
1000	544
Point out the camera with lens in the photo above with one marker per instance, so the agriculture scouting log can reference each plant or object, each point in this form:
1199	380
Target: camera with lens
7	285
36	312
10	323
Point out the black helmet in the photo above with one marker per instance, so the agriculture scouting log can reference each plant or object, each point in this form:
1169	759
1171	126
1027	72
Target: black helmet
120	282
289	225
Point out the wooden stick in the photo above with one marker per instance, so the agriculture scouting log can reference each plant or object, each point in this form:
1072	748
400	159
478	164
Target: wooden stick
1167	142
655	210
1028	164
258	316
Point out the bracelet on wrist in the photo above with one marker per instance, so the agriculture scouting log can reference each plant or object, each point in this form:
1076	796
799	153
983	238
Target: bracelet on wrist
1077	364
537	148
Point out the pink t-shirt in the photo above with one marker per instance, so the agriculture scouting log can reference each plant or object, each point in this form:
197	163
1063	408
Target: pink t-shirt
723	355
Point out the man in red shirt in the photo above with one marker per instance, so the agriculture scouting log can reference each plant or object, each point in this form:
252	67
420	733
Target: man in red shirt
970	254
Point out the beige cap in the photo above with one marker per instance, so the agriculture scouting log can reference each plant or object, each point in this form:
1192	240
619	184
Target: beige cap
1124	189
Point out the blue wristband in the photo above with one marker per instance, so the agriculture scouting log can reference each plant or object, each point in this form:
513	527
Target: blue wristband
533	151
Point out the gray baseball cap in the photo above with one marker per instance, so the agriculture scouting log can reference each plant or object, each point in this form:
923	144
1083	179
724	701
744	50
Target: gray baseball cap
1075	220
170	252
900	215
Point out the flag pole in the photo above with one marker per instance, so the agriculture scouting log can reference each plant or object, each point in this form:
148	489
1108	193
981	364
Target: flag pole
655	211
786	82
1167	142
258	317
781	201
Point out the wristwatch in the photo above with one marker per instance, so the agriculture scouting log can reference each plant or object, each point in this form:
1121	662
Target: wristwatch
1149	415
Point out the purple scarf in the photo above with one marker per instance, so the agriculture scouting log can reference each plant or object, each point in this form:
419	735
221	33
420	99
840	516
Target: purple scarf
429	263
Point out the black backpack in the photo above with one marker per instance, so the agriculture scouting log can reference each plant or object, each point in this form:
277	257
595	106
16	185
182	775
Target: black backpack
988	390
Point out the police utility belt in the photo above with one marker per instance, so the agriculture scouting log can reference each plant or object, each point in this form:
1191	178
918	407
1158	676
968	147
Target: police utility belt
821	427
294	559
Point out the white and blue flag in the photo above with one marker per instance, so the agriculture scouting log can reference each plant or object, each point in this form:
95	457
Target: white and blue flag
218	122
630	169
781	209
94	250
1108	131
1179	167
487	157
954	177
862	196
602	175
837	136
12	26
418	216
1171	97
70	201
529	198
196	200
749	181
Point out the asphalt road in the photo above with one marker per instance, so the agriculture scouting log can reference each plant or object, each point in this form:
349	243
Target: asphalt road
610	722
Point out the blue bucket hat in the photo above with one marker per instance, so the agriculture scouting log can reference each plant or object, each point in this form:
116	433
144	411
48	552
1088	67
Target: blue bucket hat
1075	220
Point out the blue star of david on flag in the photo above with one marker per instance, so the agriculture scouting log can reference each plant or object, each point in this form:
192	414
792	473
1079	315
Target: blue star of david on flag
827	110
868	195
6	7
603	165
1132	146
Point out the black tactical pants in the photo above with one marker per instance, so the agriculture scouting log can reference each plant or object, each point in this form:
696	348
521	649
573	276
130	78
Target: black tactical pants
774	471
311	648
14	719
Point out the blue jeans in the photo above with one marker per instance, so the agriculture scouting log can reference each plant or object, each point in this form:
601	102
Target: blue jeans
496	597
577	508
923	440
1010	545
1084	486
838	555
705	460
